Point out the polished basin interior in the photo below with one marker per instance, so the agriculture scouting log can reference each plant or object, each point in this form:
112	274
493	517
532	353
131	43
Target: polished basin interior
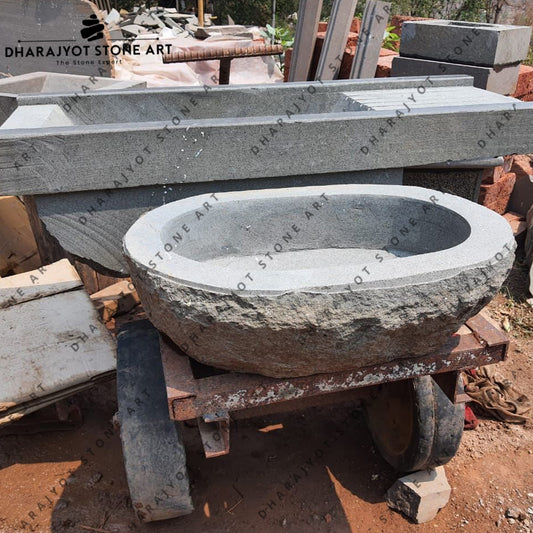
299	233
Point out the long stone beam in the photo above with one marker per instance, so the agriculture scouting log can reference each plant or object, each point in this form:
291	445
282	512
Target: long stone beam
110	156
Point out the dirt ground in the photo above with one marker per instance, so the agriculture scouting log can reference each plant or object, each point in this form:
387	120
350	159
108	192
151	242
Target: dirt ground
313	470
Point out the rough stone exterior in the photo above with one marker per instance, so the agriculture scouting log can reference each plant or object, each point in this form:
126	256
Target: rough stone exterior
300	333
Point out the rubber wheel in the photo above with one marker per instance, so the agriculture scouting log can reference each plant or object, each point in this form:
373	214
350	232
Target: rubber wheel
413	424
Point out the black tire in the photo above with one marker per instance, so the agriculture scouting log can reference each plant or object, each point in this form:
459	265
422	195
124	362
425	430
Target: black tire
413	423
154	455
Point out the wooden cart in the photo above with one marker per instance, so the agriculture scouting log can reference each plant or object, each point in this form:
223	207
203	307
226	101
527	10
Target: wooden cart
414	407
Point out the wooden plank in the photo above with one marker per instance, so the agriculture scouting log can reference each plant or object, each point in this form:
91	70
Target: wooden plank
373	26
334	46
487	330
45	281
304	42
114	299
179	378
64	158
18	250
51	344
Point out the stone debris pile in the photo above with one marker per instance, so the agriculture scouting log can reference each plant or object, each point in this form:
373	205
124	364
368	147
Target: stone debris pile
159	20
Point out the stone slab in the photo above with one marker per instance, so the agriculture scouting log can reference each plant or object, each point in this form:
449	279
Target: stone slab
55	82
373	26
472	43
171	152
91	224
339	25
304	42
55	25
529	247
50	82
501	80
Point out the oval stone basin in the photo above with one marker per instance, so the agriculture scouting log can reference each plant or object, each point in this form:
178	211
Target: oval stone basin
298	281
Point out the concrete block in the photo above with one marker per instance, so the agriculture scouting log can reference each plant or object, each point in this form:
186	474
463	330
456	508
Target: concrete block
501	80
469	43
420	495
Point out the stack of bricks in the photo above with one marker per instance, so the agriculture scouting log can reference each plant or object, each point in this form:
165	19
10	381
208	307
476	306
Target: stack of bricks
491	53
384	62
509	188
497	186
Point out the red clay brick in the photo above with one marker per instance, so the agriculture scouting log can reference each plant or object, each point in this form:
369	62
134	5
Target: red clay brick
522	166
398	20
355	27
496	196
525	82
288	56
384	66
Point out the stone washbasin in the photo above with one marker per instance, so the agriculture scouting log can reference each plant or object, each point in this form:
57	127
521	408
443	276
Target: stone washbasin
298	281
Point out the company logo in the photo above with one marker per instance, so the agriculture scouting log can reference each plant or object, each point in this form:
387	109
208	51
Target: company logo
94	29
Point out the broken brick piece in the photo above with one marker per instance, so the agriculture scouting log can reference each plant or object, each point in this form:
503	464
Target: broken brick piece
497	195
525	82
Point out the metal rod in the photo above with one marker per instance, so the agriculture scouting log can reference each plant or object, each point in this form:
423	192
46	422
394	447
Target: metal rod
201	13
223	53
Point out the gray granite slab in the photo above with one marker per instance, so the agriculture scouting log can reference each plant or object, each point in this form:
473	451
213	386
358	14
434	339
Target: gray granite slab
501	80
473	43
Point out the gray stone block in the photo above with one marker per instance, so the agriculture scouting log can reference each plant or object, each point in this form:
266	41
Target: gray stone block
420	495
461	182
292	282
529	247
501	80
472	43
206	141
